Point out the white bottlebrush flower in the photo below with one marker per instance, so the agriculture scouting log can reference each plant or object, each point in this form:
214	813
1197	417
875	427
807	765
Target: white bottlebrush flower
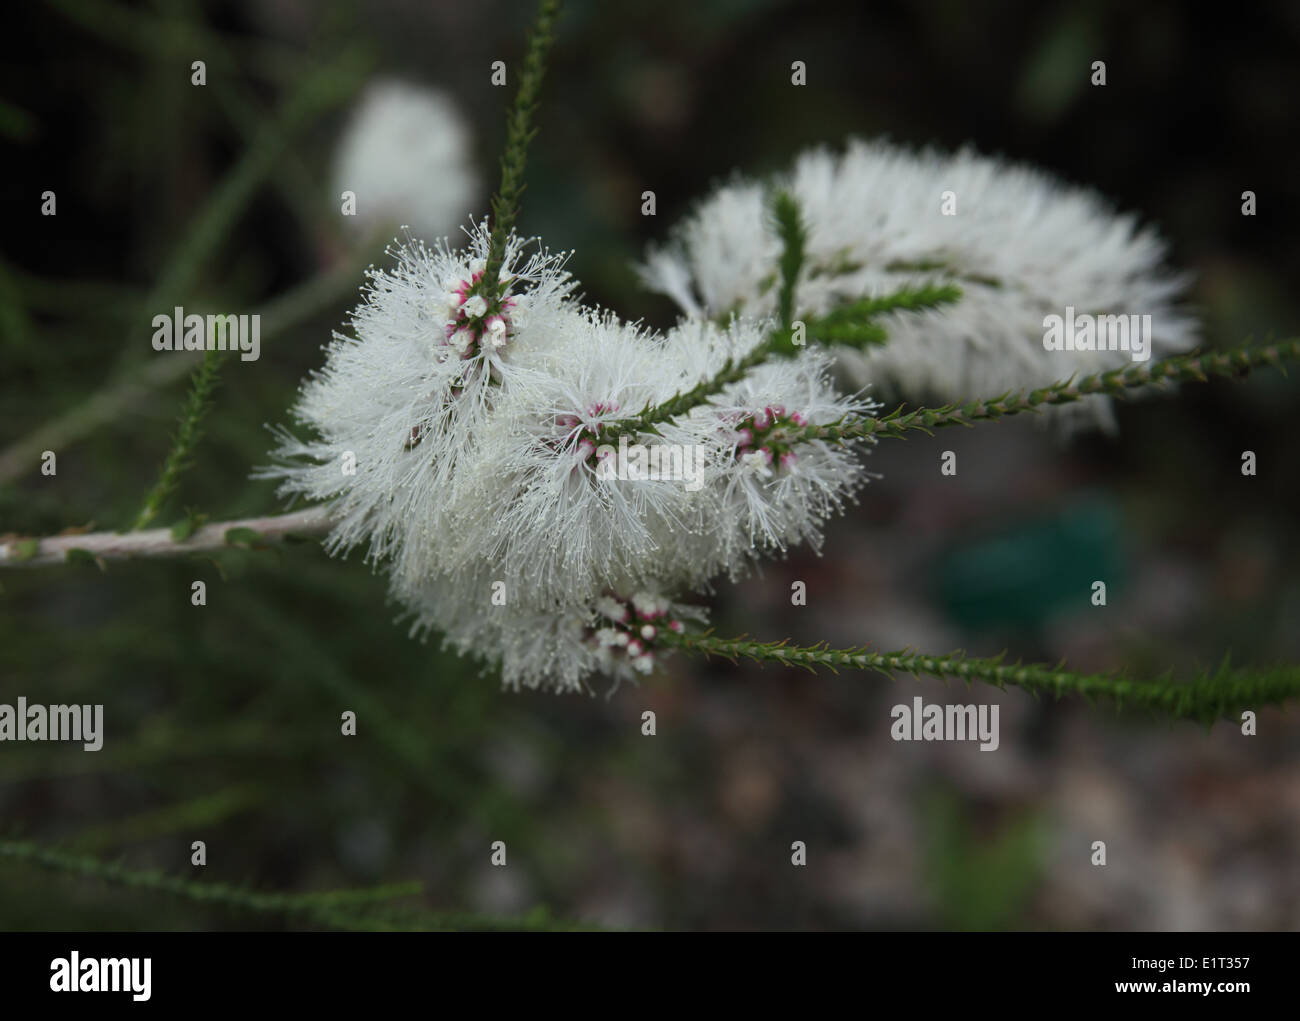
567	501
1021	245
547	502
405	154
559	647
487	445
777	490
400	404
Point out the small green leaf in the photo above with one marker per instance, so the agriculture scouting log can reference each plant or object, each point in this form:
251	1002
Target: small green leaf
183	529
245	537
84	556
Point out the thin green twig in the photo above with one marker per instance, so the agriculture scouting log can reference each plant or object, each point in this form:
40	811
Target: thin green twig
793	232
204	381
1196	367
1213	695
222	894
519	132
852	328
367	909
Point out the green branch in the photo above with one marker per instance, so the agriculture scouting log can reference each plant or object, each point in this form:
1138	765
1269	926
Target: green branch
908	299
853	325
850	324
733	371
369	909
221	894
1213	695
1115	383
794	240
519	132
204	381
794	235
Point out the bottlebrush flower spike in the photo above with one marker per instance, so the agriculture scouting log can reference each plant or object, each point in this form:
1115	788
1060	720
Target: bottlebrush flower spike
1020	244
566	501
552	501
400	405
505	453
559	647
776	491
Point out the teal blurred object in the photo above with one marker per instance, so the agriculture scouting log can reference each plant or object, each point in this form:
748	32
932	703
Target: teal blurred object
1031	569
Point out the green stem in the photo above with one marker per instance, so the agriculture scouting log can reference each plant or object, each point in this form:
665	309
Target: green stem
213	893
794	240
187	437
519	132
733	371
849	325
1211	696
906	299
1115	383
370	909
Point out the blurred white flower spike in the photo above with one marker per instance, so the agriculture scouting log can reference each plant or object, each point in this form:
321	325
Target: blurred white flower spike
1021	245
405	157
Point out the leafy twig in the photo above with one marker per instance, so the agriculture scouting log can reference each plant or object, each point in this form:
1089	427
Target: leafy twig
519	132
204	381
1211	696
793	233
1114	383
854	329
328	906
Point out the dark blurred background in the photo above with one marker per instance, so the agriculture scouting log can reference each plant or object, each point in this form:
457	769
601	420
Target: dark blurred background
222	721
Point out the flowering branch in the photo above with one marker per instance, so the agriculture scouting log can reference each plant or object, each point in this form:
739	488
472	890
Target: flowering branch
1211	696
16	551
1179	369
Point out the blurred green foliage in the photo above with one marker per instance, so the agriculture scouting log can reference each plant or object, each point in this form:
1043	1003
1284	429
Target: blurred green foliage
981	881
